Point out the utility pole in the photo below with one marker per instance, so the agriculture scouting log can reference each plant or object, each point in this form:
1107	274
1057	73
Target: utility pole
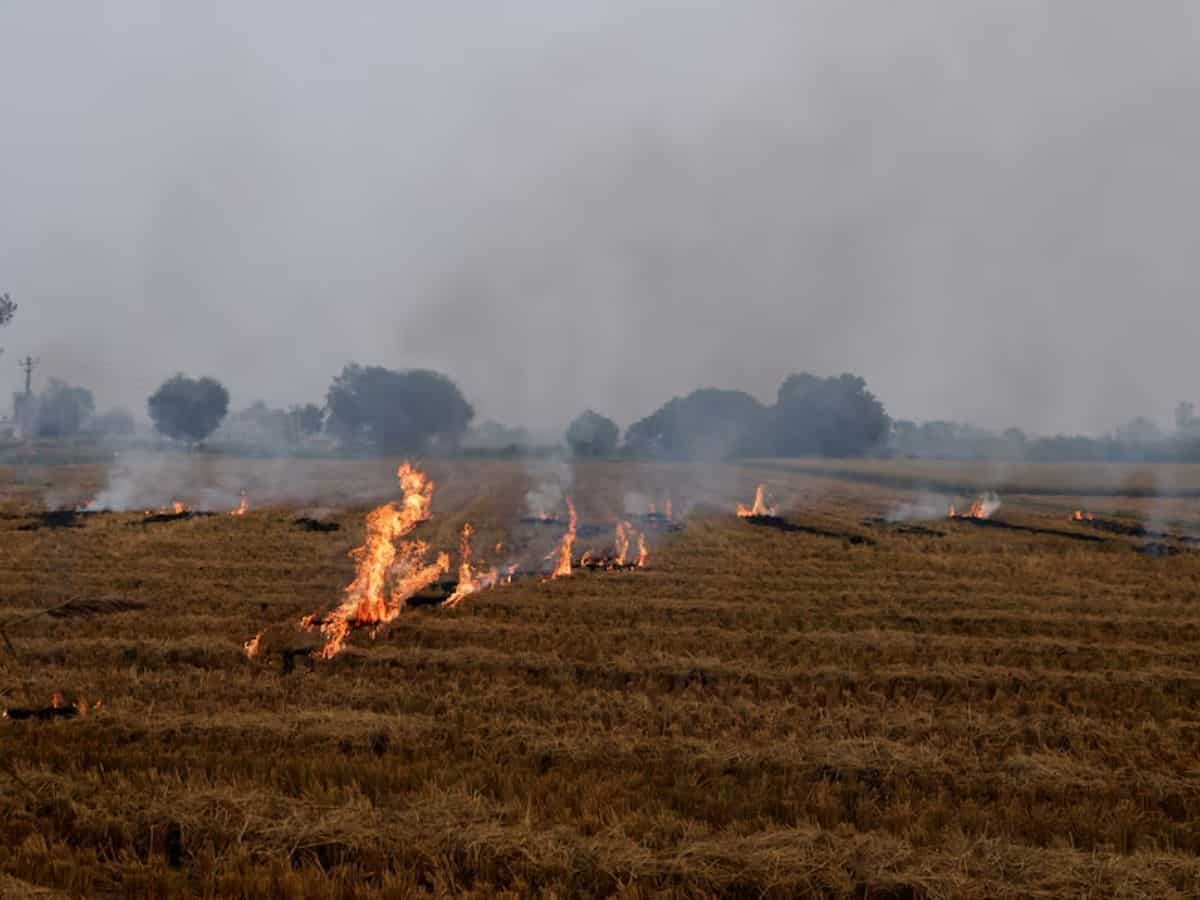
28	364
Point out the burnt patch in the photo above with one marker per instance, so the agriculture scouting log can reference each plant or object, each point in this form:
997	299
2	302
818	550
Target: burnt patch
781	524
40	713
56	518
304	523
1158	550
903	527
1001	525
164	517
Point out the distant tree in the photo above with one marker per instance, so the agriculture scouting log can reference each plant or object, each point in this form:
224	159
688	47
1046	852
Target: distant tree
62	409
1186	423
1139	431
834	416
706	424
496	437
188	408
305	421
114	422
7	309
410	411
592	434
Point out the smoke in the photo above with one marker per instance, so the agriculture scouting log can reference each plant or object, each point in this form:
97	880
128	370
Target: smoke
925	506
550	481
566	205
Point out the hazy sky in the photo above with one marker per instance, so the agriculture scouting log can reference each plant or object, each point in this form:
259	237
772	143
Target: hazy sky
988	208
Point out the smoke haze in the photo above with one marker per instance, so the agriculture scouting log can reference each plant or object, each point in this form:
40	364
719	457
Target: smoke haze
986	209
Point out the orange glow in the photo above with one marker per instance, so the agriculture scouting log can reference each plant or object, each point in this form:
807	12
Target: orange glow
759	508
562	567
387	575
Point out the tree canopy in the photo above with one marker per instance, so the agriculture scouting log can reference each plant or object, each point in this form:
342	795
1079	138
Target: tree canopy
706	424
592	434
188	408
397	411
834	416
62	409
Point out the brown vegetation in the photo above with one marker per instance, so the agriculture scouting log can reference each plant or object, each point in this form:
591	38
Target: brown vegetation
985	713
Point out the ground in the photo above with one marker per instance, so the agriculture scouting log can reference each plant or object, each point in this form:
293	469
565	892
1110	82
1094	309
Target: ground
963	712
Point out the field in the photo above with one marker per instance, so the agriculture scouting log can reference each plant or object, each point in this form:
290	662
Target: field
959	711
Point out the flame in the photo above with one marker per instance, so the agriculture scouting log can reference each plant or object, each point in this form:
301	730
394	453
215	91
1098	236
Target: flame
586	559
56	700
643	555
178	508
242	506
980	509
1081	516
250	648
369	598
652	508
667	508
468	581
759	508
563	567
621	541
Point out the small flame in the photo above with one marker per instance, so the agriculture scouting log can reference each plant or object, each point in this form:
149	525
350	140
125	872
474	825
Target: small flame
586	559
242	506
468	581
250	648
178	508
562	568
983	508
1081	516
643	555
759	508
667	508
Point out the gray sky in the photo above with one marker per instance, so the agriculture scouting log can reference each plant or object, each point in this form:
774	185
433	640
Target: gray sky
986	208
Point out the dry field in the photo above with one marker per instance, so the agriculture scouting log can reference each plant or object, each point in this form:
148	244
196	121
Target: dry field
971	712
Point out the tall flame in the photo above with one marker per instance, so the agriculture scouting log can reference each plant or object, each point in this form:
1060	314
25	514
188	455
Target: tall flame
759	508
387	576
242	506
643	555
563	567
667	508
621	542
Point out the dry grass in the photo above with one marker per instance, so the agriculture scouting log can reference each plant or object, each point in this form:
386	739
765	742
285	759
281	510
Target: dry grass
987	714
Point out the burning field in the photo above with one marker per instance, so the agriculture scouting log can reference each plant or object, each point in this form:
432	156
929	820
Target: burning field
420	681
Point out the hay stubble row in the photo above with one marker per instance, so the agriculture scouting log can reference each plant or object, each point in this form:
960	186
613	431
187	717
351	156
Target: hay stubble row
988	713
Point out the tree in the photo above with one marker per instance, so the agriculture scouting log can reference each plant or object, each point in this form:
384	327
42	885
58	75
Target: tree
410	412
7	309
188	408
706	424
834	416
62	409
592	434
305	421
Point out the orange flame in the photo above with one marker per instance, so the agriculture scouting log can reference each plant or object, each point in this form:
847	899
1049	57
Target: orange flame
468	581
242	506
667	508
563	567
621	541
250	648
178	508
980	509
643	555
1081	516
759	508
370	600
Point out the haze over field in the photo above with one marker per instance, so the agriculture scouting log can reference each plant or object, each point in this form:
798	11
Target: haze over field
986	209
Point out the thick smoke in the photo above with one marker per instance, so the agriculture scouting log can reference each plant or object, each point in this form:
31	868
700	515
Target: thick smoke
985	208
